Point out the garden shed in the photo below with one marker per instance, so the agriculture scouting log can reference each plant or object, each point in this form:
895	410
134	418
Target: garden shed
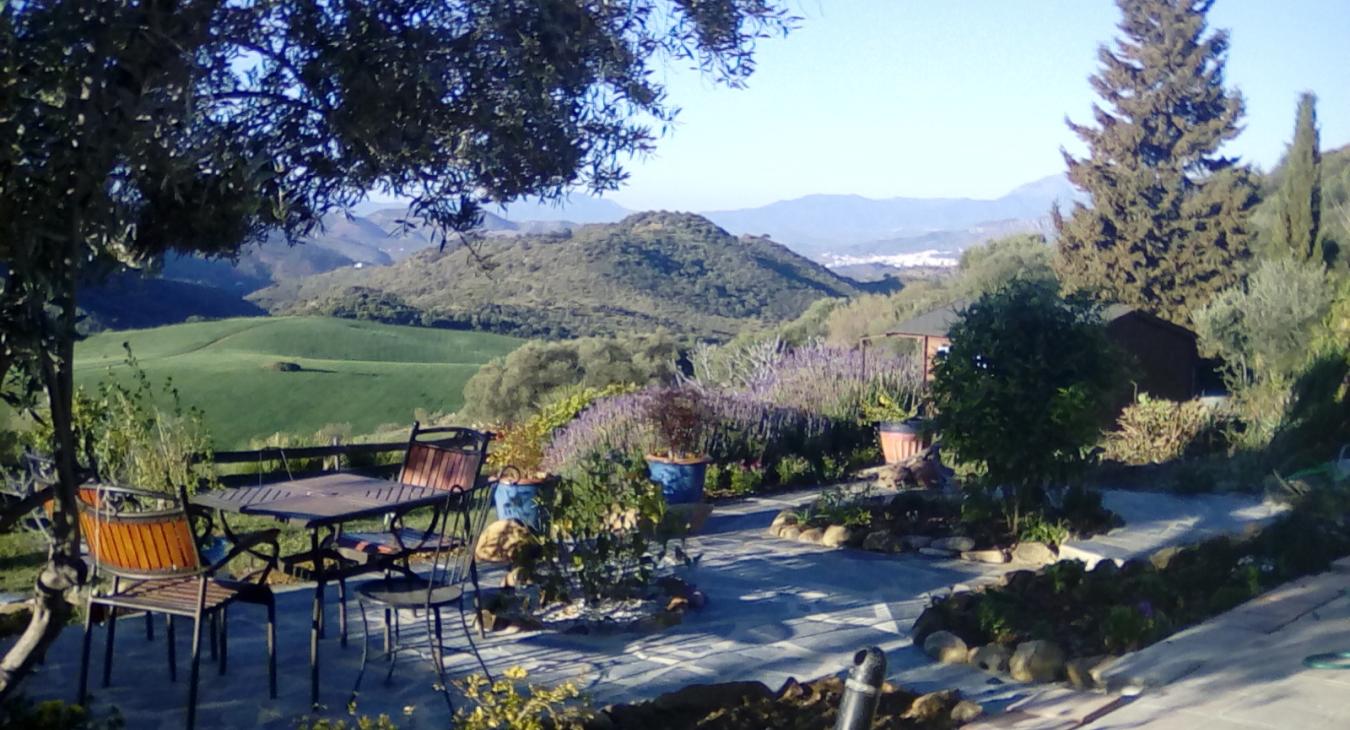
1166	360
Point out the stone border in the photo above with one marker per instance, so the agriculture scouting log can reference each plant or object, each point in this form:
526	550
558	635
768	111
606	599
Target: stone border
505	612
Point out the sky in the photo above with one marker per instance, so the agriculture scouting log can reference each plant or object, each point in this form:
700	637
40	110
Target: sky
956	98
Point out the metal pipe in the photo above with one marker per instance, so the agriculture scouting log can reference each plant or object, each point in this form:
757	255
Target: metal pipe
862	690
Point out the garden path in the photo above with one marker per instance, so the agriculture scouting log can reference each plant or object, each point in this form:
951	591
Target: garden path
777	609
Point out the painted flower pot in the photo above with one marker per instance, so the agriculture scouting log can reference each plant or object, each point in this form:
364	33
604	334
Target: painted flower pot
900	439
681	480
519	500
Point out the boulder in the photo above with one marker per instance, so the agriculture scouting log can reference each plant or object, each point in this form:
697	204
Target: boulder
882	541
1106	567
931	706
991	658
1018	581
1162	558
985	556
501	541
966	711
914	542
786	517
930	620
1086	672
946	647
1036	553
811	534
789	532
836	536
956	544
1037	661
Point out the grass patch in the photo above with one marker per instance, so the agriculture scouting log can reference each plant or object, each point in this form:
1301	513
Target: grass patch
363	374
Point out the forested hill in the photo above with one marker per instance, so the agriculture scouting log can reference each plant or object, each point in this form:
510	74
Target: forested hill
655	270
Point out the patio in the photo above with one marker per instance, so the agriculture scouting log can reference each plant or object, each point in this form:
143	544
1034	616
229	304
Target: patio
776	610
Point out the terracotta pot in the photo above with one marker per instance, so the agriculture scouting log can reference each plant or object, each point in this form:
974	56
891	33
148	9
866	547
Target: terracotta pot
900	439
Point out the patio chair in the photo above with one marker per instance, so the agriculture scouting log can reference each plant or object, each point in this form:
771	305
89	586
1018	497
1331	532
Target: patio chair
452	568
451	461
144	542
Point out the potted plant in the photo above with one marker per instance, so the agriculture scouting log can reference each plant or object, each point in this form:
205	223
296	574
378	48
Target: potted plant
678	418
517	454
896	415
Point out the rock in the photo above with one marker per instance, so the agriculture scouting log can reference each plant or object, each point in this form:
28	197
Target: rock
1017	581
985	556
1037	661
1106	567
677	603
965	711
991	658
697	599
786	517
1135	567
946	647
931	706
836	536
881	541
914	542
956	544
1085	672
811	534
1036	553
501	540
933	552
1162	558
789	532
930	620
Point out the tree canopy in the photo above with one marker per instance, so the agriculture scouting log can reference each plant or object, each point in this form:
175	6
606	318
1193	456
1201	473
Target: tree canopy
1167	224
135	128
1300	195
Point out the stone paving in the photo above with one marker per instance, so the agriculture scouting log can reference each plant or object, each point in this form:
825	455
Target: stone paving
777	609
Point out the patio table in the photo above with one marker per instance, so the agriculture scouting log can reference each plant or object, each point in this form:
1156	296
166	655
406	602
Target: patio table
315	503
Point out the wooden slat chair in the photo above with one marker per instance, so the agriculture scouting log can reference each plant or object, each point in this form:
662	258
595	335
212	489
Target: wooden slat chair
144	542
453	461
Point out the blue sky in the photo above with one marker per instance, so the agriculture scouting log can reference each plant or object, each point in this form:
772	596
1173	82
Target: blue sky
938	98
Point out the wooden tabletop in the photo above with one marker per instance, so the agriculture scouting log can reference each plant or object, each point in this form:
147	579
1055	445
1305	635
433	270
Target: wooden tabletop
323	500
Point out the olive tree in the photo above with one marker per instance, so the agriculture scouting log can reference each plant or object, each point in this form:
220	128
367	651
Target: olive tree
129	129
1024	388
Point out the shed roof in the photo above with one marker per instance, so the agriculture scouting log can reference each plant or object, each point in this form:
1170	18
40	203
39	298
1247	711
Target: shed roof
938	322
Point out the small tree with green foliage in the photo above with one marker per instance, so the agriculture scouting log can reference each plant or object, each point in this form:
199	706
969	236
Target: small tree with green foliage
1024	389
1300	195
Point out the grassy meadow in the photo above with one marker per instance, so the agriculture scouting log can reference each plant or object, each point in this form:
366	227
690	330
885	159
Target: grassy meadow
362	374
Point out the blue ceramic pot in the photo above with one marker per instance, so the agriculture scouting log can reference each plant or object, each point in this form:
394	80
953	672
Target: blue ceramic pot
519	501
681	481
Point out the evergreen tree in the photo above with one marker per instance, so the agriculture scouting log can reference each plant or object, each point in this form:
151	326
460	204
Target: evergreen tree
1167	226
1300	196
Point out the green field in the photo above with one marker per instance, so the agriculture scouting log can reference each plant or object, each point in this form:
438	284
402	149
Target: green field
363	374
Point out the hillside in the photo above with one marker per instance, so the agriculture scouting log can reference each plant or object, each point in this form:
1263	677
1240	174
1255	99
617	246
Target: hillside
363	374
672	271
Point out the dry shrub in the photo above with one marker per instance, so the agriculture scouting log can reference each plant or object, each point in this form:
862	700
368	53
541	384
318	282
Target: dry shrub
1156	431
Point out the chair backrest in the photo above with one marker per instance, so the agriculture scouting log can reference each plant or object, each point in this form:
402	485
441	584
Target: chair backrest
134	533
452	461
463	520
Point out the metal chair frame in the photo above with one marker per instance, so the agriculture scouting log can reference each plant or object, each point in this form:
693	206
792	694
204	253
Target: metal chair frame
112	520
453	568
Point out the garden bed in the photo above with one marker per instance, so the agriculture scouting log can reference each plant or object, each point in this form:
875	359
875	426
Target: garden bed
942	525
653	608
810	706
1068	622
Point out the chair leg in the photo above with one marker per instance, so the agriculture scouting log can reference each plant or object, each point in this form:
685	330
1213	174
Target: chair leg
388	628
149	626
272	649
108	647
438	659
468	636
365	649
224	615
342	612
84	652
193	672
170	640
213	631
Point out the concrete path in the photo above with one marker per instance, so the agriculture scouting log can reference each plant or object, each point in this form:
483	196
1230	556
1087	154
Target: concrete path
777	609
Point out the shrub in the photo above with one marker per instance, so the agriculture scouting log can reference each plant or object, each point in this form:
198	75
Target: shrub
19	712
1023	390
1156	430
745	479
1036	528
521	445
503	704
794	470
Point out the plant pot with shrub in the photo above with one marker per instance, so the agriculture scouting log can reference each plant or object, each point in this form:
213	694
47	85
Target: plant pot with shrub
679	419
516	458
895	411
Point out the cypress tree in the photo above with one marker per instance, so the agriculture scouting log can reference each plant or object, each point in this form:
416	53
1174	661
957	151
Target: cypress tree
1300	196
1167	226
